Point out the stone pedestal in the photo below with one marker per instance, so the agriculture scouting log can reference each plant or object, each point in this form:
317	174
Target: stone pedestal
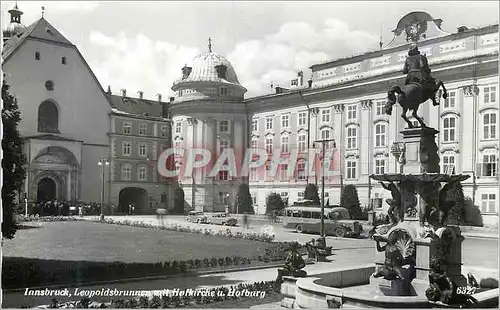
421	150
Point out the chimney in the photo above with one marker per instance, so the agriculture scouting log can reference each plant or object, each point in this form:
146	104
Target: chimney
172	99
280	90
124	92
158	96
462	29
186	71
310	82
164	109
301	78
141	94
221	71
109	90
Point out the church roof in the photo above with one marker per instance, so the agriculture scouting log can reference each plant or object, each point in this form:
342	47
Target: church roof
135	106
39	30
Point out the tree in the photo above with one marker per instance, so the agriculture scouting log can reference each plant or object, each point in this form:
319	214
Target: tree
178	201
13	162
243	203
350	200
452	199
311	193
274	203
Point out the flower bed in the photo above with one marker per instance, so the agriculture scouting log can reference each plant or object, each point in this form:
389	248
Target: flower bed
36	218
263	237
213	295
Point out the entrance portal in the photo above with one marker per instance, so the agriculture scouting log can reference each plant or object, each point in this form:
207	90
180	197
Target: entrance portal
135	196
46	190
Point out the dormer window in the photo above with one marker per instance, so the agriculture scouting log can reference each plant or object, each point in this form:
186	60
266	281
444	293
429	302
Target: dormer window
221	71
223	91
186	71
37	55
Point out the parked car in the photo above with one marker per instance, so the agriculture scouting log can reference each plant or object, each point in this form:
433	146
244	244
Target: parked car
196	217
222	219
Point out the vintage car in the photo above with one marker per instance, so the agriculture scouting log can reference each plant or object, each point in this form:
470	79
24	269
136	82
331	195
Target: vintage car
196	217
221	219
308	219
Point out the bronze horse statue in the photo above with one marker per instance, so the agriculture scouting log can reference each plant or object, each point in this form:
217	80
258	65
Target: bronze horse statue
411	96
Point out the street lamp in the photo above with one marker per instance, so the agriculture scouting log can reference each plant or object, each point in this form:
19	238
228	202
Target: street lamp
102	163
323	142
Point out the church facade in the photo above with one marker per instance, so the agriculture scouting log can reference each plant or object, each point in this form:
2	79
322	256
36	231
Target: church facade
82	143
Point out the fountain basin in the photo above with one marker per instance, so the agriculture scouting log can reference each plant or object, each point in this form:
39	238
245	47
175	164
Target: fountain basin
350	287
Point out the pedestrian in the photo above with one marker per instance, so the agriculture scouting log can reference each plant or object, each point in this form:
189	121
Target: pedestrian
245	221
80	210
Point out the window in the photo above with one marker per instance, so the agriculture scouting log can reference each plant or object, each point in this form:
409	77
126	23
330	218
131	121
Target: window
301	170
269	122
37	55
224	144
284	172
254	144
489	168
178	127
49	85
490	126
284	144
223	175
268	171
351	138
63	60
163	131
127	128
48	117
126	148
255	125
126	172
224	198
450	101
449	126
253	174
351	169
177	144
224	126
254	199
351	112
325	134
379	166
269	145
302	118
300	196
285	121
380	108
490	94
143	129
380	135
142	173
302	143
488	203
142	150
223	91
325	116
449	163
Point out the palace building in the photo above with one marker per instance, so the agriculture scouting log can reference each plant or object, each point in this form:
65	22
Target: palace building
344	100
70	123
82	143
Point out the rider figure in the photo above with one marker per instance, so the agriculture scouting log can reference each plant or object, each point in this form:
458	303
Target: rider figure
417	70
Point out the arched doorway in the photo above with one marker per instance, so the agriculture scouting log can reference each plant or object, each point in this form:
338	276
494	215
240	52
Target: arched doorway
46	190
135	196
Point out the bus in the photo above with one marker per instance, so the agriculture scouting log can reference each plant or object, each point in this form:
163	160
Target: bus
304	219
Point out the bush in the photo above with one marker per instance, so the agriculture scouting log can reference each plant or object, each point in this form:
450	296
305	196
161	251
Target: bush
311	193
178	201
350	200
274	203
243	203
471	215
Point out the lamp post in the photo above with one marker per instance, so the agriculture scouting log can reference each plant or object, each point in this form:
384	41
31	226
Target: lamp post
323	144
102	163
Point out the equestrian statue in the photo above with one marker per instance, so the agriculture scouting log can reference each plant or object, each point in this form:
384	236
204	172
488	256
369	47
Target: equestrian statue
419	87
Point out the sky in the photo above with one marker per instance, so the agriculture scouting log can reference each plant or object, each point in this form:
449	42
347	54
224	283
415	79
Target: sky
142	46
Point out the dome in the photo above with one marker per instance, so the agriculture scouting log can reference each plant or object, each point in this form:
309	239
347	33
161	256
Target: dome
13	29
204	68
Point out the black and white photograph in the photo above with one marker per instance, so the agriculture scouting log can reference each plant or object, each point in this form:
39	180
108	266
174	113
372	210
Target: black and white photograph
250	154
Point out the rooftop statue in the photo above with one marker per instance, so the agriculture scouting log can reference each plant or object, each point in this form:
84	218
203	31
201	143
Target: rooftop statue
419	87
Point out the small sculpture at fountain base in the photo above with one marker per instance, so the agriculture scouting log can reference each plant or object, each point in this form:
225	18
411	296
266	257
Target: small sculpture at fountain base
294	263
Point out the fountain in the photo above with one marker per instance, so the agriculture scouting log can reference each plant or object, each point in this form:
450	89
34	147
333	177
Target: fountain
418	260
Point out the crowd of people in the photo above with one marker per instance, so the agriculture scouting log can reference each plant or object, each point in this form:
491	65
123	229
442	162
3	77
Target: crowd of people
65	208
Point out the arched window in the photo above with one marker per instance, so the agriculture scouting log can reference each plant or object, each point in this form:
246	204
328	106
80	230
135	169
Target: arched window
48	117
